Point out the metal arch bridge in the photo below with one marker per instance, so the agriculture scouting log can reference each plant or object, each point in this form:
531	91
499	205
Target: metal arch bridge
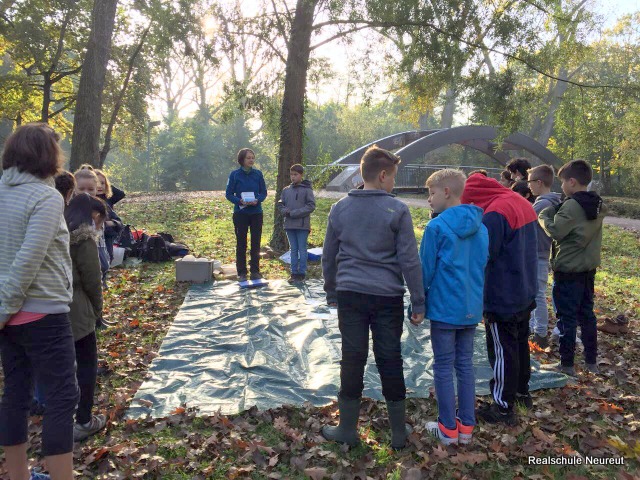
413	146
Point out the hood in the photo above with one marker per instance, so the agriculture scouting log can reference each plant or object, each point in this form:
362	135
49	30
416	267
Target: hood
82	233
463	220
303	184
554	198
490	196
369	193
590	202
12	177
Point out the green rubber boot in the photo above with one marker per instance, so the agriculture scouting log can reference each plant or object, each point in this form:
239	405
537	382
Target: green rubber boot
399	429
347	429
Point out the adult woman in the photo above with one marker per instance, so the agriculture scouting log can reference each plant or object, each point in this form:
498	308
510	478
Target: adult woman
244	182
36	342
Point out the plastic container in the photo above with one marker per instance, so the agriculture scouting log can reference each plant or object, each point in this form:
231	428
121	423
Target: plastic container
194	270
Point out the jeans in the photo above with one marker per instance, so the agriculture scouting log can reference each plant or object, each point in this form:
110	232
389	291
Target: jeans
87	365
298	243
243	222
41	352
453	348
357	313
573	299
539	322
509	356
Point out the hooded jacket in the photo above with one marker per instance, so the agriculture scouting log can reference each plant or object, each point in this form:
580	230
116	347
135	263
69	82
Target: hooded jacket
575	227
369	246
511	274
299	202
86	307
35	266
454	253
544	241
240	181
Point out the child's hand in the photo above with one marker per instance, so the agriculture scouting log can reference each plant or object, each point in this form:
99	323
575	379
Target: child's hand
417	318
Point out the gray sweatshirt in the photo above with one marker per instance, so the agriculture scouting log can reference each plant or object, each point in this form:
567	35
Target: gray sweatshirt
370	245
297	203
544	241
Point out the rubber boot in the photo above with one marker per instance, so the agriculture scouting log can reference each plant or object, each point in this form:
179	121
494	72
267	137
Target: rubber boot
347	429
399	429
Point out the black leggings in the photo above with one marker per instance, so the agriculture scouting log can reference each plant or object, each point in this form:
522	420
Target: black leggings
243	222
87	368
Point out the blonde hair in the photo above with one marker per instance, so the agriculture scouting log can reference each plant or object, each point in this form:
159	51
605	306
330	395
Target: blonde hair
449	177
107	184
86	174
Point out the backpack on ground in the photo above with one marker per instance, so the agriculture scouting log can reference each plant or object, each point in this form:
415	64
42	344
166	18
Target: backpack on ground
155	249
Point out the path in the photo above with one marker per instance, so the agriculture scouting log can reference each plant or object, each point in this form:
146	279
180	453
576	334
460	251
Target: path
411	200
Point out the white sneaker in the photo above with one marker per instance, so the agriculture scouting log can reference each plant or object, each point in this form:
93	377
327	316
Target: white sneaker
82	432
435	429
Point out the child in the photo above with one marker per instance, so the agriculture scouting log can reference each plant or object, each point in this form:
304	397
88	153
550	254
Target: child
113	224
87	182
85	216
540	181
296	204
518	168
522	188
66	185
113	195
505	179
247	215
454	253
35	292
369	246
509	293
575	226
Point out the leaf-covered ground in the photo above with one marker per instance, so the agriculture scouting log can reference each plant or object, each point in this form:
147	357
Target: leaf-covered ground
595	416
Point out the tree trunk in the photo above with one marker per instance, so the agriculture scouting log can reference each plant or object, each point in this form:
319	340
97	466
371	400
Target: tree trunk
46	98
549	120
292	115
449	108
85	147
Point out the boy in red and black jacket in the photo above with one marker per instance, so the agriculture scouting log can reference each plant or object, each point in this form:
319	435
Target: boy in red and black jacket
509	292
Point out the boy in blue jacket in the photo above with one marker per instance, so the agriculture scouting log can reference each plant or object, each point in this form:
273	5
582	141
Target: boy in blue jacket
454	253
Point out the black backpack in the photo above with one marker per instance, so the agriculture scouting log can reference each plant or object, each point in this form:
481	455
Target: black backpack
155	250
125	239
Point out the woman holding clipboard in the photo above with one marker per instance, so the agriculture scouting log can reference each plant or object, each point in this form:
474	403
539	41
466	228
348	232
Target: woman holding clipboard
246	190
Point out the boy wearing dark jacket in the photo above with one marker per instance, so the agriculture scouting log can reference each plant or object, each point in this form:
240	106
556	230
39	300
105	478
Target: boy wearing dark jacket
540	181
509	292
369	247
575	227
296	204
454	253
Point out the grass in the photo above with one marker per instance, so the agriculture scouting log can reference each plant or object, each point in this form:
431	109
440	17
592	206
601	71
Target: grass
144	300
623	206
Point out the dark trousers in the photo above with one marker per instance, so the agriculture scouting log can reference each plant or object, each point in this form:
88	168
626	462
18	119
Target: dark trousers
41	352
87	373
508	350
573	301
357	313
243	223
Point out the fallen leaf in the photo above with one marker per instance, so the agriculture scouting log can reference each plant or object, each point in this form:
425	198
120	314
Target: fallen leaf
316	473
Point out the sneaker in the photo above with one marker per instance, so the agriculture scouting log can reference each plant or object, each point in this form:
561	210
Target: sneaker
525	401
558	367
555	336
494	414
541	341
301	277
256	276
242	278
292	279
592	368
443	434
465	432
82	432
39	476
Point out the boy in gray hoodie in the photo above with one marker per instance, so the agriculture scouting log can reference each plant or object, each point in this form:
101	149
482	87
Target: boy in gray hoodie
540	180
369	247
296	204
